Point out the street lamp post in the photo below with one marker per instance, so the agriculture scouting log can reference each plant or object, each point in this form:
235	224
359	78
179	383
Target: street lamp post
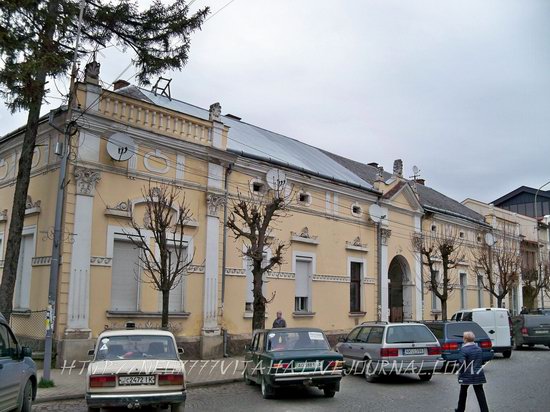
539	261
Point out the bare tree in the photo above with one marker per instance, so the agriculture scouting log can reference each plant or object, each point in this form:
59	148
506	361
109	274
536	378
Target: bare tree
253	219
444	247
165	262
499	266
535	282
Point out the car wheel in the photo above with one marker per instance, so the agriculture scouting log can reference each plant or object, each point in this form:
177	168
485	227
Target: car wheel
93	409
370	372
507	354
247	380
177	407
26	404
518	346
329	392
425	377
267	390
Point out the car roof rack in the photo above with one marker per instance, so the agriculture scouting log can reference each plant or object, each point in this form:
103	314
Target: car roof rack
383	322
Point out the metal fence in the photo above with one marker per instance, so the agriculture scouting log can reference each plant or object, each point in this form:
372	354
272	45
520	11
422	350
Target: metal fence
29	327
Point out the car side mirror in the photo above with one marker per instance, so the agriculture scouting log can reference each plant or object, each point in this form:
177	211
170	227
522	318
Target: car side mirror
180	351
91	352
26	352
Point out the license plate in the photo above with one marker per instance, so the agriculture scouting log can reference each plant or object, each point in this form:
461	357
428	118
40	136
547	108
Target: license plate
413	351
306	365
541	332
136	380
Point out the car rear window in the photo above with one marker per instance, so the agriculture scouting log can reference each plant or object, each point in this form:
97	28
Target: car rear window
536	320
409	334
296	340
437	330
456	330
136	347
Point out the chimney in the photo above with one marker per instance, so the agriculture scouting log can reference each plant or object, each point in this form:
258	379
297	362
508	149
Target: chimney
398	168
119	84
421	181
374	164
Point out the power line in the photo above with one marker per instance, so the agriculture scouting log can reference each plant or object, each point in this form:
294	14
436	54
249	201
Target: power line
219	10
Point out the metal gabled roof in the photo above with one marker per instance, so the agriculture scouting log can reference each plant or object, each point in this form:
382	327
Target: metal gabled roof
255	142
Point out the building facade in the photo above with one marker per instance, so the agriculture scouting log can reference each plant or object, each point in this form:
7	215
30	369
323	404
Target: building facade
346	261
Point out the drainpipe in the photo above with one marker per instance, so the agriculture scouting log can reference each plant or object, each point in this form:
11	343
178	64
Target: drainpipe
379	266
224	251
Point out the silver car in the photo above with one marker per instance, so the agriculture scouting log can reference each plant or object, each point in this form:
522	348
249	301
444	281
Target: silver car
17	372
382	348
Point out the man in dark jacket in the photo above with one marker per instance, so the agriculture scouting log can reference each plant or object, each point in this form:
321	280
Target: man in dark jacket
471	373
279	322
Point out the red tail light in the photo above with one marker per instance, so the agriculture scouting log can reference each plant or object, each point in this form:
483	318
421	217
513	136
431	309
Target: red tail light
524	331
387	352
450	346
102	381
335	364
281	365
485	344
171	379
434	350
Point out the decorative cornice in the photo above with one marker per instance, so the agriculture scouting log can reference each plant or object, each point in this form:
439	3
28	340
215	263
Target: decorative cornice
304	237
281	275
235	272
331	278
32	208
357	245
195	269
86	180
101	261
122	209
369	281
385	234
214	202
41	261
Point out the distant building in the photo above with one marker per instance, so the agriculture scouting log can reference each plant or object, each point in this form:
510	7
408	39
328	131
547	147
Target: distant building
522	201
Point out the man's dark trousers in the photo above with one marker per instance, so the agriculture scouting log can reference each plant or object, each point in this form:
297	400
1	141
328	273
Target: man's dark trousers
480	394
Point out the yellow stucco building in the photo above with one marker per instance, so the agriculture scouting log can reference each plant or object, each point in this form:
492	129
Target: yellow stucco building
347	262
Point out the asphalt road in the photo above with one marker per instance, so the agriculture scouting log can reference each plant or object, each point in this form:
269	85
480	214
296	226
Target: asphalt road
516	384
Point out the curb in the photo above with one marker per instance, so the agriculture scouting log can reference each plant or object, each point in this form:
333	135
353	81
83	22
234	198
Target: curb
72	396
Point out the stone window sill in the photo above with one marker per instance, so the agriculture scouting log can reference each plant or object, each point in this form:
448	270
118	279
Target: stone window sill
21	312
137	314
356	314
303	314
249	315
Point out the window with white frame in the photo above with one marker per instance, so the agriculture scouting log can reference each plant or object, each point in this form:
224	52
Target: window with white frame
463	290
356	210
22	293
304	198
176	297
125	284
436	303
356	271
304	270
480	291
249	302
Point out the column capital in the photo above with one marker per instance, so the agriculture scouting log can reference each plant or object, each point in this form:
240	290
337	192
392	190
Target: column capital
214	202
86	179
385	235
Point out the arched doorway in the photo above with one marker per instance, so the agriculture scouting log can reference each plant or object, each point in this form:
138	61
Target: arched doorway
400	290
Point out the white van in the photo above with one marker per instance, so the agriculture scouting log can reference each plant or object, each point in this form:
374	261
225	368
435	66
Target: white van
496	322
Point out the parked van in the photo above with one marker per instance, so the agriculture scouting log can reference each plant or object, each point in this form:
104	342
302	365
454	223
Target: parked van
496	322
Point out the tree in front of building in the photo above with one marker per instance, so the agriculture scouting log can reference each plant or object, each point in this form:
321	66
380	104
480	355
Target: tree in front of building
37	44
535	282
253	219
499	266
160	237
443	249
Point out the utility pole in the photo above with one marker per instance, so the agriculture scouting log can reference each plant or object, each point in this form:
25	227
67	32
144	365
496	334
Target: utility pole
57	233
539	260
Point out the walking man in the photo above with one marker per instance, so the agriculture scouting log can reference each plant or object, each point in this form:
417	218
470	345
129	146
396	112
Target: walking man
471	373
279	322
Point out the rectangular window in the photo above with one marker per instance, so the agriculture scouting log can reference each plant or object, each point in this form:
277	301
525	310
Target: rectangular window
22	294
355	287
248	305
463	301
175	303
479	291
436	303
303	276
126	272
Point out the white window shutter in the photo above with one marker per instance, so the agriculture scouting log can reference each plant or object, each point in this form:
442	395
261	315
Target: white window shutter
124	290
24	272
303	271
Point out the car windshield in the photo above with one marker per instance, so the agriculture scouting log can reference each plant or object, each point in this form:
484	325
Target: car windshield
136	347
456	330
409	334
301	340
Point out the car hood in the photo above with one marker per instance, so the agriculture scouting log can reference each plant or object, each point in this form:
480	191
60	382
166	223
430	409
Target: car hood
137	366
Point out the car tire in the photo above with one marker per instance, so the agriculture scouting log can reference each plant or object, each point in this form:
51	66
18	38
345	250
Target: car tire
425	377
370	372
177	407
93	409
247	380
518	346
26	402
268	391
507	354
329	392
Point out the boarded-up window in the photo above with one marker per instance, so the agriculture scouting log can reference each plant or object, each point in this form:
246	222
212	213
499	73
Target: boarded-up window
21	299
125	284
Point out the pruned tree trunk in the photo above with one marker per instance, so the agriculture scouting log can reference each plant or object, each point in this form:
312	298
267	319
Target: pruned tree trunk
165	308
443	309
17	217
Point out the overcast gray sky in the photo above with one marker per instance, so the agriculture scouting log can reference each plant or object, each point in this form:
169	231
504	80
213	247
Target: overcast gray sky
459	88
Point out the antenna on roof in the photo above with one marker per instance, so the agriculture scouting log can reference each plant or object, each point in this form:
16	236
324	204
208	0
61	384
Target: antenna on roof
416	173
162	87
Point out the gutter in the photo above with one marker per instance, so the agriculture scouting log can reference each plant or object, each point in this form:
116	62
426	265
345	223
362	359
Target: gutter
41	120
448	212
228	170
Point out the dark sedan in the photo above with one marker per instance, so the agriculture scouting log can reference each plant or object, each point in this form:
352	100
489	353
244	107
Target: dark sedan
282	357
449	334
531	330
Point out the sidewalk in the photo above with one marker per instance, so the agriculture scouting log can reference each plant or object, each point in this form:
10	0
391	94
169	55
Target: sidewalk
70	383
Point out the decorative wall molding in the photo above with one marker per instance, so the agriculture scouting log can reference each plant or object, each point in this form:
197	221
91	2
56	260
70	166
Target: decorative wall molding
369	281
281	275
101	261
331	278
153	157
86	179
356	245
303	237
41	261
235	272
32	208
385	234
3	215
195	269
214	203
122	209
191	223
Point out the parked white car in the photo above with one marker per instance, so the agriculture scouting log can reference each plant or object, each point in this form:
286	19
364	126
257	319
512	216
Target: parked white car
496	322
134	368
